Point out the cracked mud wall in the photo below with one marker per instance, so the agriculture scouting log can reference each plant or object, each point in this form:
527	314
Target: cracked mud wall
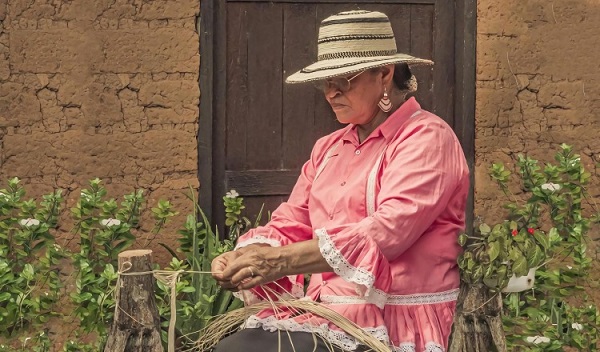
538	85
105	89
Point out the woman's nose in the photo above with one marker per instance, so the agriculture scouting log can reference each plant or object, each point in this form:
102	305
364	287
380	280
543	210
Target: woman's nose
332	91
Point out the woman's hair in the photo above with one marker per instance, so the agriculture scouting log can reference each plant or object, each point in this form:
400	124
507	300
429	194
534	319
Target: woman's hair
402	77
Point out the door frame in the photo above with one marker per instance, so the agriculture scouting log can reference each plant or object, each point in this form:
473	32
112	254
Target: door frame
212	81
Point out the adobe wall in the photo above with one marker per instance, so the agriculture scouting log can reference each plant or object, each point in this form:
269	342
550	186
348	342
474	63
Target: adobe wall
105	89
538	85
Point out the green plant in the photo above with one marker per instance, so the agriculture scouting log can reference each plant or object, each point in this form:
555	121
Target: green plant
545	228
33	273
104	230
200	299
28	258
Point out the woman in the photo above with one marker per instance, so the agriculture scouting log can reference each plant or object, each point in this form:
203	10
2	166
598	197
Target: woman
374	215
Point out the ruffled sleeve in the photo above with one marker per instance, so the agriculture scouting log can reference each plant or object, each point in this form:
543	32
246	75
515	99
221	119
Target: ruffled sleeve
417	179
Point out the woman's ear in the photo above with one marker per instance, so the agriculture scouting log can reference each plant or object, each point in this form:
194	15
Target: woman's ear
387	75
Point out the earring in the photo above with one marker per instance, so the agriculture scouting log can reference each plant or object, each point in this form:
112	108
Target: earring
385	104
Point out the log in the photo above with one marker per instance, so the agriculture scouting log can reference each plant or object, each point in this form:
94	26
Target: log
136	324
478	321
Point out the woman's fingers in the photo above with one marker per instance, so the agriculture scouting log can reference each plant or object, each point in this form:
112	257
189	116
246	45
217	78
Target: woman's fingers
221	263
245	275
249	283
247	269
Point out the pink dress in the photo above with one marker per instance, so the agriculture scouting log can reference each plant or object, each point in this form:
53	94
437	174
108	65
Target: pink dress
387	213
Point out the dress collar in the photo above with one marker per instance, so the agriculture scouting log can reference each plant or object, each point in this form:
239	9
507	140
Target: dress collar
387	128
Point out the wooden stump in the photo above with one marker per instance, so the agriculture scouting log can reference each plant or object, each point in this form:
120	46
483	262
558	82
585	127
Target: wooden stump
478	321
136	326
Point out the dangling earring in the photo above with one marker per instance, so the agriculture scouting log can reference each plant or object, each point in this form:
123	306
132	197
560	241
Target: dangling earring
385	104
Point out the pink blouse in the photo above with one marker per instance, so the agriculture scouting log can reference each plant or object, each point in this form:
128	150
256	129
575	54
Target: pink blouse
387	213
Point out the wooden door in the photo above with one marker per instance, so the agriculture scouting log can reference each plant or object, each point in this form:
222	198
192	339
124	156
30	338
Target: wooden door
256	131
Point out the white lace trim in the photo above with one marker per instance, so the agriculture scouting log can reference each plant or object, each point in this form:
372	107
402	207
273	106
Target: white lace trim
433	347
339	264
348	272
398	300
423	298
247	296
405	347
335	337
297	289
410	347
258	239
371	184
342	299
371	180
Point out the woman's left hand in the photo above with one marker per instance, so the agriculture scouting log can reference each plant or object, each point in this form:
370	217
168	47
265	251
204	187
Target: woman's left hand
255	267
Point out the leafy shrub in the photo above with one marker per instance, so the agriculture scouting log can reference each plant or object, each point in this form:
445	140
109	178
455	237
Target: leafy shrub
546	228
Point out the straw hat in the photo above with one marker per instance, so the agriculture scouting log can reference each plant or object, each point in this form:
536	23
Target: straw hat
353	41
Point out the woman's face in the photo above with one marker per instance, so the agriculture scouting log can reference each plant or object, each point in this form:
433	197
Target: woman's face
358	105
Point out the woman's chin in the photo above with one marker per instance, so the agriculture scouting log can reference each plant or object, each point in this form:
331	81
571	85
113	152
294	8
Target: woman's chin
343	116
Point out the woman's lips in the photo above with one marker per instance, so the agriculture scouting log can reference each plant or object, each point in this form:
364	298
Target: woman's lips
335	106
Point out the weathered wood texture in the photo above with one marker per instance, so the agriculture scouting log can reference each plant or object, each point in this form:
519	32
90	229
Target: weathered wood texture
478	321
136	326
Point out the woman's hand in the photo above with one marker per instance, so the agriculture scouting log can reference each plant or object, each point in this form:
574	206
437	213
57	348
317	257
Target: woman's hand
223	262
220	264
256	266
259	264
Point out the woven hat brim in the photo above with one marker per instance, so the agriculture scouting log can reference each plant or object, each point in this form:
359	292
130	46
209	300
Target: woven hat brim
338	67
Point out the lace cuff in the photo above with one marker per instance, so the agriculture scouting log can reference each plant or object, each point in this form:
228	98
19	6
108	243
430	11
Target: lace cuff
257	239
358	263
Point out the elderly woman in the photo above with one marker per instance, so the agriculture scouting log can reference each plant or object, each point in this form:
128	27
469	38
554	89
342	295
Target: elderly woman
374	216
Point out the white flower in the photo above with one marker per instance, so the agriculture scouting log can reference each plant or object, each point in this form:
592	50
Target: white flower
29	222
537	339
551	187
110	222
569	267
575	161
56	247
577	326
232	194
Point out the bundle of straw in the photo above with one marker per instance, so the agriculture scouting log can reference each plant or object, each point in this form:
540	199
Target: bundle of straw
227	323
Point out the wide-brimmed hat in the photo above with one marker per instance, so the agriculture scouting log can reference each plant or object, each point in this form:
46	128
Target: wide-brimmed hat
353	41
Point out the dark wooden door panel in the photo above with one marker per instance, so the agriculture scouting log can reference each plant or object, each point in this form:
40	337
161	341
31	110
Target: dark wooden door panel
265	129
254	75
